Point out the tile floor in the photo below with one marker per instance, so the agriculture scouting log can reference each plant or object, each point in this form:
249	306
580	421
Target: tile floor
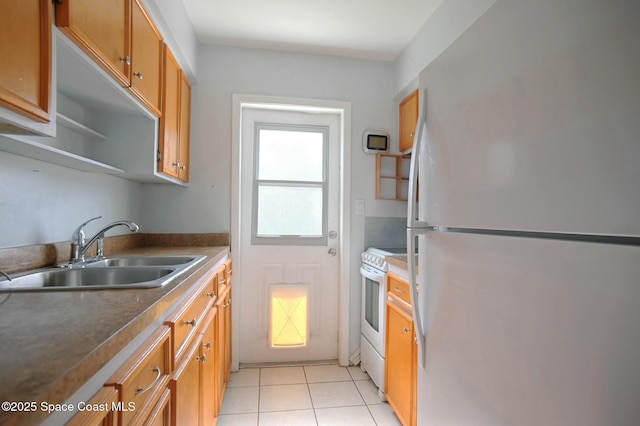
319	395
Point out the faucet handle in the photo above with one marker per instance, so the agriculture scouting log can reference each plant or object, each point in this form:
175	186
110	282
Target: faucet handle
78	234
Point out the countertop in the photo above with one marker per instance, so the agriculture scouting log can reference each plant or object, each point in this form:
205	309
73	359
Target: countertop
52	342
400	261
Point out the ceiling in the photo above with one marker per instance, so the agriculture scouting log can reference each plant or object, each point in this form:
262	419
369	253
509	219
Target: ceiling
371	29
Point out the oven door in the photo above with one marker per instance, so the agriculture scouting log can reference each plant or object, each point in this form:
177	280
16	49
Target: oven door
373	306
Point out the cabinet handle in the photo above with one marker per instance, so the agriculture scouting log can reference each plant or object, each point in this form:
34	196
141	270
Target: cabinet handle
406	330
180	166
126	60
399	290
207	345
222	281
138	74
202	358
191	322
227	304
159	373
211	294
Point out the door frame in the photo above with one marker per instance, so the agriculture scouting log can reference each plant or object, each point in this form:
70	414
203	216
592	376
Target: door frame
343	110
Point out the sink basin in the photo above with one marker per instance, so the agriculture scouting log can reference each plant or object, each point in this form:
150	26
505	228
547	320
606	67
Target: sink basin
142	261
87	278
111	273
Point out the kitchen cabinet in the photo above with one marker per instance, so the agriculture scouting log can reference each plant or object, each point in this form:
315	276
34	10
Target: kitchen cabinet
121	38
146	58
401	352
224	331
105	399
193	385
26	72
392	176
142	380
408	121
173	158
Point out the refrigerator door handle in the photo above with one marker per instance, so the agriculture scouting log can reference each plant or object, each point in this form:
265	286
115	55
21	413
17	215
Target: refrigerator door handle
413	286
413	220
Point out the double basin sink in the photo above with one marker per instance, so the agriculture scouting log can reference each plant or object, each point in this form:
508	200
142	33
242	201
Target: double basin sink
108	273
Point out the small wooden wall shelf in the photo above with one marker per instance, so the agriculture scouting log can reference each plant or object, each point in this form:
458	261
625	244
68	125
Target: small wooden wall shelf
392	176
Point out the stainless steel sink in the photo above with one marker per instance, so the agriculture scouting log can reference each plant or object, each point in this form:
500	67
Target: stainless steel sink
115	273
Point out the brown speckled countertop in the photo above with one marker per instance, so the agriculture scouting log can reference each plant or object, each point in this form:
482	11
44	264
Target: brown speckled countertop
52	342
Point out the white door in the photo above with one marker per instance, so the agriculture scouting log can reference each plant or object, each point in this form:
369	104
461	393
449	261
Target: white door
289	236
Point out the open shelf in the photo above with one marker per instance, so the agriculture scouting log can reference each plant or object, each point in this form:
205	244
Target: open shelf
392	176
79	128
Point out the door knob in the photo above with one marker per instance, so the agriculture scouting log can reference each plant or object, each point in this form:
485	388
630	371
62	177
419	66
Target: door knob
333	235
333	252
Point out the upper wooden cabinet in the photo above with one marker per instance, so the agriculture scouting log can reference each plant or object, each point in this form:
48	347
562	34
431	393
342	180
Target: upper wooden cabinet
175	121
408	121
120	36
146	58
25	48
101	29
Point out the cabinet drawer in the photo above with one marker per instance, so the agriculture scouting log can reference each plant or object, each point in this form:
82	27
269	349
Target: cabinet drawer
161	413
398	287
105	398
142	379
189	316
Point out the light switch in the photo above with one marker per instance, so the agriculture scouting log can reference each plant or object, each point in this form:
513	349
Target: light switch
360	207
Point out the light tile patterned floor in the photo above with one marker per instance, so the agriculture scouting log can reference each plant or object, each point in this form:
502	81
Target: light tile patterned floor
317	395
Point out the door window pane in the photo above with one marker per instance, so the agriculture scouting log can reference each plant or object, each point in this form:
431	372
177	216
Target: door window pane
290	188
290	155
289	211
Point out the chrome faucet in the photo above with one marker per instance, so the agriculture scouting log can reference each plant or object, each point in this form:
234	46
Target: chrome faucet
79	246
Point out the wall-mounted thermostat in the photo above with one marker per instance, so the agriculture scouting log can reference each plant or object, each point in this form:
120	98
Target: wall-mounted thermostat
373	142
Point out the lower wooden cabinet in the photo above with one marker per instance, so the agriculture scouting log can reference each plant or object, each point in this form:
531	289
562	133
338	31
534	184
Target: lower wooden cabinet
101	409
179	375
223	340
401	353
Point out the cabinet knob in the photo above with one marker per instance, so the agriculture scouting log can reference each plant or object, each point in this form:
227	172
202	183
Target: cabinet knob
406	330
211	294
126	60
191	322
207	345
412	134
202	358
138	74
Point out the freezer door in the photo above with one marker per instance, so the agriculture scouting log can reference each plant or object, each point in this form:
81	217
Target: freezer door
544	141
529	332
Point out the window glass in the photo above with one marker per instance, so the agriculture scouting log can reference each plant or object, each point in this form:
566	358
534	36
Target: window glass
290	189
290	155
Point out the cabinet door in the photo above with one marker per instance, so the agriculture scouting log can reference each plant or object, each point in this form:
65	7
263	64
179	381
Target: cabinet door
185	388
107	397
169	121
25	48
185	128
221	339
207	351
399	362
408	120
146	58
101	29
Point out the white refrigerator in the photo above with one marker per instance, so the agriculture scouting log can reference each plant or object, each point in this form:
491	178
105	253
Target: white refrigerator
525	207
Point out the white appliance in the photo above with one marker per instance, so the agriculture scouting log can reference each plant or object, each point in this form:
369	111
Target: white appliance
373	270
527	218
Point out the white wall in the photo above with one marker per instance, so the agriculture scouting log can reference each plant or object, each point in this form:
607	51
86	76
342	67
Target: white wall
43	203
443	27
223	71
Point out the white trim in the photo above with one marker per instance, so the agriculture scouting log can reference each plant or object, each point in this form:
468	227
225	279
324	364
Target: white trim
343	109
